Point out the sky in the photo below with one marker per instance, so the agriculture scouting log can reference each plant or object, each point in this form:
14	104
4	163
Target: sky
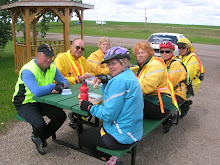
191	12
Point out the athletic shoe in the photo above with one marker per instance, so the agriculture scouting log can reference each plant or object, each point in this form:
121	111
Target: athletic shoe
39	144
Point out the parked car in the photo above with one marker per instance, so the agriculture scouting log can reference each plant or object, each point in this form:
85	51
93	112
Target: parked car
156	38
78	23
100	23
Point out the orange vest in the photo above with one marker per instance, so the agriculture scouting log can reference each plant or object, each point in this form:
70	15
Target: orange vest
77	68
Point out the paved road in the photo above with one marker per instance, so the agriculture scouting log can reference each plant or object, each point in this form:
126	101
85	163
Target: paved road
195	141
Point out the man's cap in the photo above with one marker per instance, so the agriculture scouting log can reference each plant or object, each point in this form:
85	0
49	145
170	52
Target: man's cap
46	49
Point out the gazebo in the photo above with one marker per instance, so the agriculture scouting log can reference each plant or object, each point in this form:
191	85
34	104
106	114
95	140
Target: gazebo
30	9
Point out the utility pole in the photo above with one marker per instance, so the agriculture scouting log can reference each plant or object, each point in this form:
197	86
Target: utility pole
145	19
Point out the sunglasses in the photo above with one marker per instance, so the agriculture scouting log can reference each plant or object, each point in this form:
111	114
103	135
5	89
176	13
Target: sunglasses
78	47
166	51
182	47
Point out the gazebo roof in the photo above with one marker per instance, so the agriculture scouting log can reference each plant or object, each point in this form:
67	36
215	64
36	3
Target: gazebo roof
81	6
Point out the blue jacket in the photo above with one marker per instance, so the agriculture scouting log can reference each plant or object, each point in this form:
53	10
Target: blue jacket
122	111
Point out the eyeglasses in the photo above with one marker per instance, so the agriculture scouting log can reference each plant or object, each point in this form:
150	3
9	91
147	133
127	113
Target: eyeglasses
111	63
166	51
182	47
78	47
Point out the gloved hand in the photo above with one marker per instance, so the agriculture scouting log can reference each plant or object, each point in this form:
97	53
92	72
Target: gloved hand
103	78
86	106
59	87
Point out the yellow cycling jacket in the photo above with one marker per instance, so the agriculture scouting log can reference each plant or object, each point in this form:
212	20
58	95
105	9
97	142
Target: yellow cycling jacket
193	68
95	60
177	74
64	65
155	75
155	78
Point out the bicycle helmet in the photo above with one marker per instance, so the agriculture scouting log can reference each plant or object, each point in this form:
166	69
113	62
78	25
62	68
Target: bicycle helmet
167	44
185	41
116	53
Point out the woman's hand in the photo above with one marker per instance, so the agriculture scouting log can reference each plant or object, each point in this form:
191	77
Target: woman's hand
85	105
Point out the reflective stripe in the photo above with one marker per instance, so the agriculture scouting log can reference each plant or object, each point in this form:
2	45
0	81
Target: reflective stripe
176	71
118	128
153	72
94	62
132	136
183	89
192	63
194	86
116	95
161	89
76	67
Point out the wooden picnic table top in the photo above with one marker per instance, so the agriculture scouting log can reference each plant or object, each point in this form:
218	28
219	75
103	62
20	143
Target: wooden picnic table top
69	102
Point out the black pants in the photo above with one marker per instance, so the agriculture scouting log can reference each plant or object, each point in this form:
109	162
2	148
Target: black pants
34	112
152	111
91	138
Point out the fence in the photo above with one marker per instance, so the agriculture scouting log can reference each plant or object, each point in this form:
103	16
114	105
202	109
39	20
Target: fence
21	56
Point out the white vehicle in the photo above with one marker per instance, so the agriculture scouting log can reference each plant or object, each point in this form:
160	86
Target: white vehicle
100	23
156	38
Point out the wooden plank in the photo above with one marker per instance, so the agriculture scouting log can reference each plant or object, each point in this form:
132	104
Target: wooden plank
56	98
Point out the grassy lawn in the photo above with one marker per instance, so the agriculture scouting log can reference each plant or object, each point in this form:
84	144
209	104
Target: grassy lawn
196	33
7	83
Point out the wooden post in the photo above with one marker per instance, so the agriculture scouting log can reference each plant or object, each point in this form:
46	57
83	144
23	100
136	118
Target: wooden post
28	37
13	16
82	25
34	32
66	29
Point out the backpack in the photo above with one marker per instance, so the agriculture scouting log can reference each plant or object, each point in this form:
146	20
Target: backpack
188	82
196	81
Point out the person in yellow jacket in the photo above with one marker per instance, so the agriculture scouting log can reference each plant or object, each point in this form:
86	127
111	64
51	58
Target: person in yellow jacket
72	65
194	68
176	70
192	63
95	59
152	76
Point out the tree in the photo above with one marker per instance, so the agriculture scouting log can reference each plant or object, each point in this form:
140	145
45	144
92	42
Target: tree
5	23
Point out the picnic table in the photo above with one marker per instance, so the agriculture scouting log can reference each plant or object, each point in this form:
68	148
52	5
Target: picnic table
71	103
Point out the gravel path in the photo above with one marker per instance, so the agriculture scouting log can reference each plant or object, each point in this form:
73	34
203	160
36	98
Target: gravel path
195	141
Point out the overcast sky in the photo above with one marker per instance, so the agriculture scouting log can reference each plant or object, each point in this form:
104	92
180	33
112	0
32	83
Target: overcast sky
193	12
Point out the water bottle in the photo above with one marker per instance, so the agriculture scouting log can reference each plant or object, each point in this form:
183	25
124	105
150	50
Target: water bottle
84	91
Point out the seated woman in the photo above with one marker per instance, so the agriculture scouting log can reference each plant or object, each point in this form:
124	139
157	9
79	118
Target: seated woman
122	111
95	59
176	70
153	78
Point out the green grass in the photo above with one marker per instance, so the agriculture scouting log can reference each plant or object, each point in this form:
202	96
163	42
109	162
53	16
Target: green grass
7	83
196	33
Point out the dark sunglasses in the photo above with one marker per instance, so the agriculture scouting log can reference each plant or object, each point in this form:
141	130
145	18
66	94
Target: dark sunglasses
181	47
78	47
166	51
